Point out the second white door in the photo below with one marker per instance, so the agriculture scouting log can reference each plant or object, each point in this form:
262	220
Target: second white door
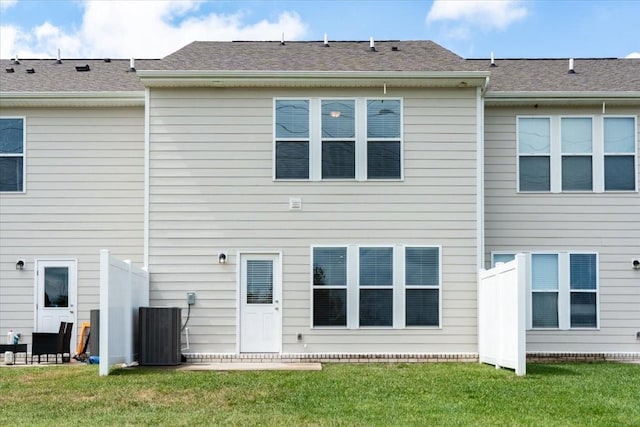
260	307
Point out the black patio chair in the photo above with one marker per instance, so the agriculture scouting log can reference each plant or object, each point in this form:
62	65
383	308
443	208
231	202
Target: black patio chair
47	343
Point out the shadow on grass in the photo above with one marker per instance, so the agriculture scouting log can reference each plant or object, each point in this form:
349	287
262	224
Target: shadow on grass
550	370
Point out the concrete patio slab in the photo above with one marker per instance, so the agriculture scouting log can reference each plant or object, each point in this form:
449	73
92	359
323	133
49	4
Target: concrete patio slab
250	366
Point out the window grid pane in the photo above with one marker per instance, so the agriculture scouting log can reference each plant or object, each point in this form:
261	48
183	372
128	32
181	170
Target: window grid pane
544	271
535	173
619	173
503	258
383	160
11	173
422	307
422	266
577	173
376	267
338	160
534	136
330	267
329	307
576	135
11	136
544	309
583	271
338	119
292	160
583	310
292	119
383	119
376	307
619	135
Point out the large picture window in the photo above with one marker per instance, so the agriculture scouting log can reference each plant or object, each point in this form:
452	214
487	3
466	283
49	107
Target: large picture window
376	286
565	154
338	139
12	154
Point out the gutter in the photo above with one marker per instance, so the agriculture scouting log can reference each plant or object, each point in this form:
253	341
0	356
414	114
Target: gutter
562	97
72	99
242	78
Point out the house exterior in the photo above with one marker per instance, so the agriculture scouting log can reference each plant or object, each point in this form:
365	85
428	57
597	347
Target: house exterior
326	198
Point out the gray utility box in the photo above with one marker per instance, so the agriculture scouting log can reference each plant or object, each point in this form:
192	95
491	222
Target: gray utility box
159	335
94	333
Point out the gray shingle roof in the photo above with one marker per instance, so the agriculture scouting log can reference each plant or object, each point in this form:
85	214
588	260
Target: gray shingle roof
48	76
313	56
535	75
510	75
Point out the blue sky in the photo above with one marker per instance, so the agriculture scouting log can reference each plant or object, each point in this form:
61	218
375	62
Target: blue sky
472	29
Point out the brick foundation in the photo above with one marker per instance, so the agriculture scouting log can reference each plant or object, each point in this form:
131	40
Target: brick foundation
400	358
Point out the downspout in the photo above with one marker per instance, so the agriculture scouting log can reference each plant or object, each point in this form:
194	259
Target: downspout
480	178
146	177
479	200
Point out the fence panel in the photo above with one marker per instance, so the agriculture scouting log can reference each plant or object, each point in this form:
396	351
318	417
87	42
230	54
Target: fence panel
501	315
123	289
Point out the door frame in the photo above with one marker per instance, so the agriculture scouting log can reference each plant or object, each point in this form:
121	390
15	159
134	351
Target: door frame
74	269
277	295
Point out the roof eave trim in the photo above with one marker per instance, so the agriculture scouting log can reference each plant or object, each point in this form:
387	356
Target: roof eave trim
187	78
72	99
585	95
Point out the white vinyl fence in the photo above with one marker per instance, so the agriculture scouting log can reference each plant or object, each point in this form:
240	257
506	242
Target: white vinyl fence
123	289
501	315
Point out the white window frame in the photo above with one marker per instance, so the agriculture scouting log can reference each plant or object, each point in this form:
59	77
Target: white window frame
23	155
571	154
635	152
597	154
404	287
361	138
399	286
564	288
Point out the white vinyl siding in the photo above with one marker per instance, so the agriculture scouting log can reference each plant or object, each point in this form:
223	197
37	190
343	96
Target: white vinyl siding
576	153
85	174
212	189
604	223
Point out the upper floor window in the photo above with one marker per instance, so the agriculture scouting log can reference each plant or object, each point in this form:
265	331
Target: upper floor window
564	154
12	154
619	153
344	139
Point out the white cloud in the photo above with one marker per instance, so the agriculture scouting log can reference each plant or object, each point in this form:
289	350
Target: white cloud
5	4
487	15
141	29
635	55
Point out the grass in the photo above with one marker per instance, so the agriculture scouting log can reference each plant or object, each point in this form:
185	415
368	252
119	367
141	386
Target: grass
598	394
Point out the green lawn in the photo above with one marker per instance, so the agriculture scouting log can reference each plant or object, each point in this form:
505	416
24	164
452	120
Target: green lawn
458	394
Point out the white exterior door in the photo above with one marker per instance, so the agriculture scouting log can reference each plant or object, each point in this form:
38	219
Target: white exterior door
260	308
55	295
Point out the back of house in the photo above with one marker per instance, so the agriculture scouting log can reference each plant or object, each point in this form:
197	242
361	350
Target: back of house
328	200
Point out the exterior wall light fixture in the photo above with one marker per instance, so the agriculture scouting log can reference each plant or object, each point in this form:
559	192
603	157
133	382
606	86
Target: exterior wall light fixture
222	258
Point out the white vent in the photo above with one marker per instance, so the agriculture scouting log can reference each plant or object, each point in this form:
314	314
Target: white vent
295	203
